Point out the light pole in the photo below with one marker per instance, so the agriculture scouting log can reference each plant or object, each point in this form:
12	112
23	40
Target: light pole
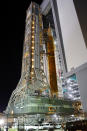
18	124
7	123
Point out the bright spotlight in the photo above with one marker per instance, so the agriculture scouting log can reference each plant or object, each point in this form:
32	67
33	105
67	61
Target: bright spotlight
1	121
55	115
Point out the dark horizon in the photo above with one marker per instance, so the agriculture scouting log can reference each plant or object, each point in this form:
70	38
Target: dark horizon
11	49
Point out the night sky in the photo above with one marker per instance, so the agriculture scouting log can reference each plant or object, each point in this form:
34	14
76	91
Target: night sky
11	45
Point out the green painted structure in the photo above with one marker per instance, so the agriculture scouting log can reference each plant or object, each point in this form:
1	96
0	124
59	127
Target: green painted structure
41	105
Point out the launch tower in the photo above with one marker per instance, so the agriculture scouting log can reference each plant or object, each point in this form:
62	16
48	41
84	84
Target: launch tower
36	96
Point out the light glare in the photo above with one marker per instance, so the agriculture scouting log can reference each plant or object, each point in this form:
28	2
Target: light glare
1	122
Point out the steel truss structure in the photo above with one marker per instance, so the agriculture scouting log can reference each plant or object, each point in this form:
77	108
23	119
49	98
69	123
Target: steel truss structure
36	95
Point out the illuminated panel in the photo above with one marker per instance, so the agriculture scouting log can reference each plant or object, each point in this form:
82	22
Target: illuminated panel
26	54
32	44
51	64
32	48
51	110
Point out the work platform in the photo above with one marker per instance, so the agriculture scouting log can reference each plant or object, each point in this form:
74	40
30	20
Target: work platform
42	105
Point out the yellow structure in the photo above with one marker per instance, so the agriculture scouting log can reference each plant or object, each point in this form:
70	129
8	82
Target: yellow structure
51	65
